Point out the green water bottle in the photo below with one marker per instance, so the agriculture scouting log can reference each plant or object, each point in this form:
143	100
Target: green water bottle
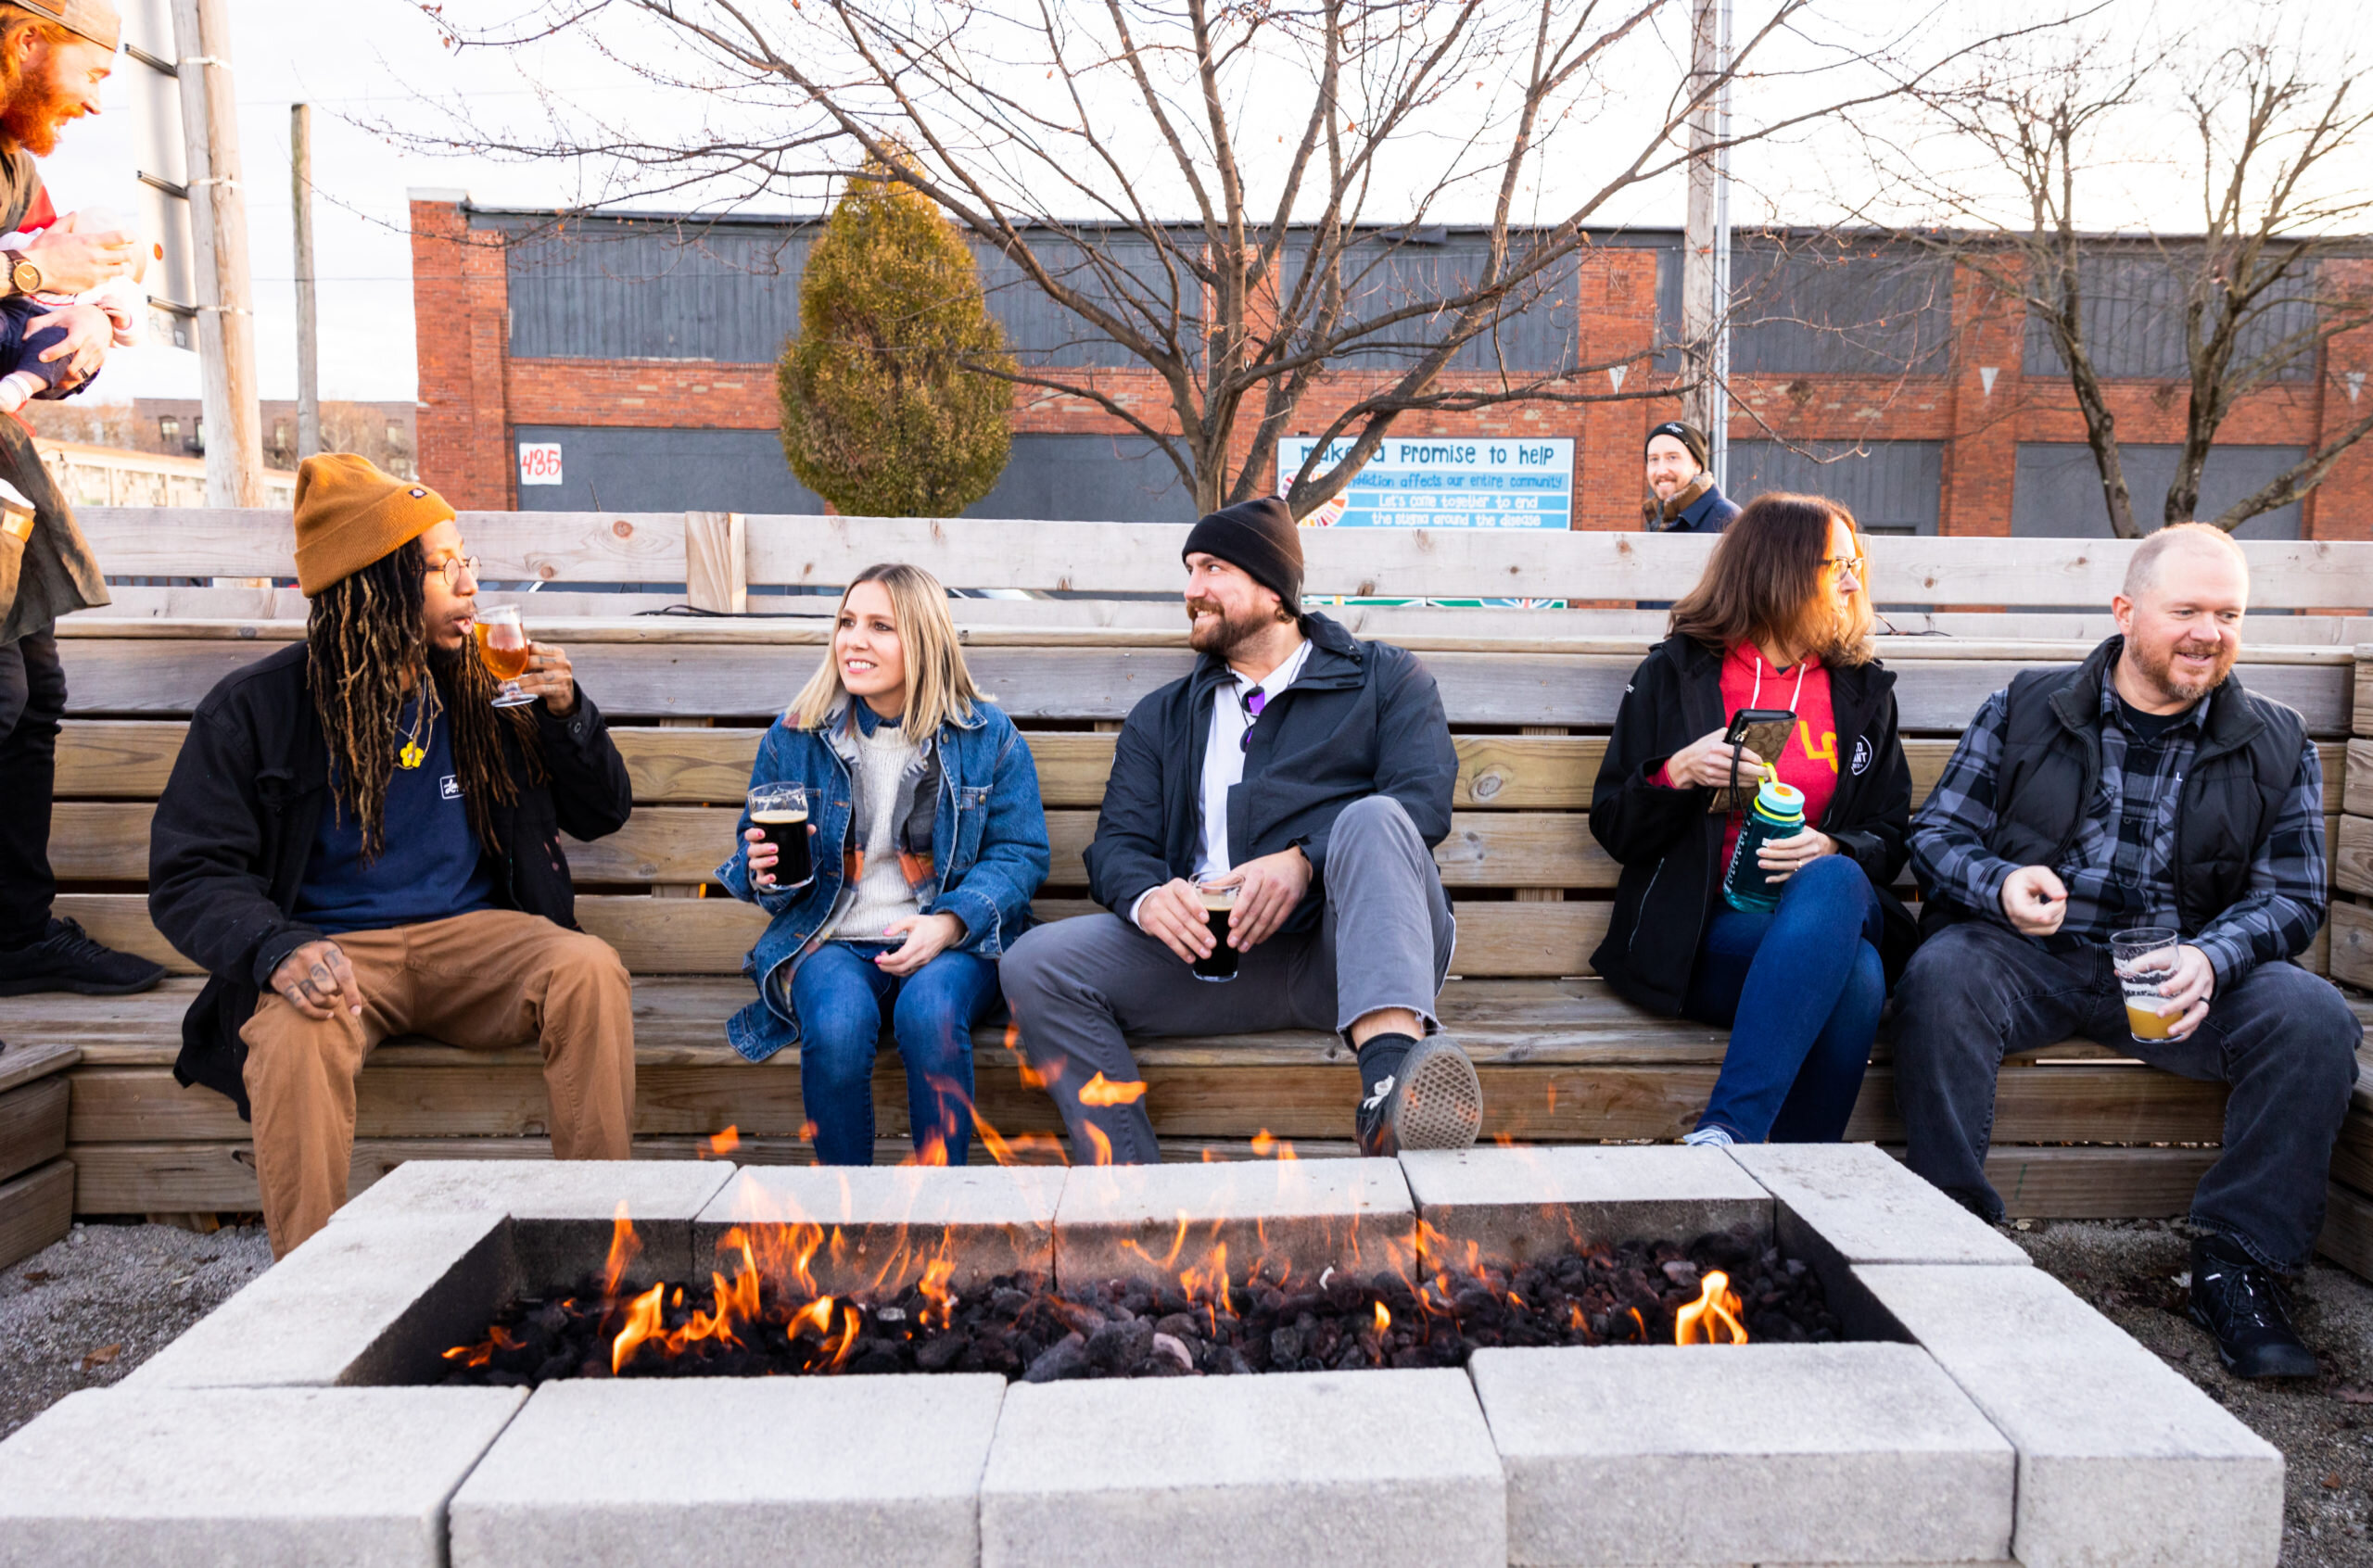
1778	813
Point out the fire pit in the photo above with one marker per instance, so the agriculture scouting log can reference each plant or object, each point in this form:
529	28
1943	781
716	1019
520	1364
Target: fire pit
1482	1352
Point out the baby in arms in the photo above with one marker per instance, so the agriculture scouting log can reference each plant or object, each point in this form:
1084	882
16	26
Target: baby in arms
23	344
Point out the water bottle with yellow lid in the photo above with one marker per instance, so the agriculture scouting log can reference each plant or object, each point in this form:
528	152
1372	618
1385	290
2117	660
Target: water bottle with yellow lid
1778	813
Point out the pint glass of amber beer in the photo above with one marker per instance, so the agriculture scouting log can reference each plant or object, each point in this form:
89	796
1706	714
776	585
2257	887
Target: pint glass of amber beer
502	643
2145	959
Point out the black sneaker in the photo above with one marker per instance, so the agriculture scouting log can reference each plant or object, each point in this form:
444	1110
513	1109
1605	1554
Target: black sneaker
1434	1101
2237	1301
67	959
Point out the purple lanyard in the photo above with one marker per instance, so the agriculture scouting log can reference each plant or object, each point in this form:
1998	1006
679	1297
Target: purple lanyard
1253	706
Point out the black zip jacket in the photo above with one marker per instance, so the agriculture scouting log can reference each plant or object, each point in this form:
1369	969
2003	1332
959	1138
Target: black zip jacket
234	828
1363	718
1671	846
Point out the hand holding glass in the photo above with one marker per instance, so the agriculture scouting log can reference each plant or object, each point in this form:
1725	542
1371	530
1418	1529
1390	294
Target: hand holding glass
2145	960
502	643
779	823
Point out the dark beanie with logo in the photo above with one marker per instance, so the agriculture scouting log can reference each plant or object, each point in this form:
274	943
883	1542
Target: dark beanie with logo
1260	539
1688	436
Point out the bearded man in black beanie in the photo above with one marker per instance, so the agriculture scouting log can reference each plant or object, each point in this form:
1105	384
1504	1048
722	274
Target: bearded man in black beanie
1305	775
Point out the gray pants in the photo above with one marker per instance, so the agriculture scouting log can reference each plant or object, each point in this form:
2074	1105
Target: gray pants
2284	1039
1077	987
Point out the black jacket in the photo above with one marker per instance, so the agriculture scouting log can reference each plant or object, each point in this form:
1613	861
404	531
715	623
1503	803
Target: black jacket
234	828
2237	787
1363	718
1671	846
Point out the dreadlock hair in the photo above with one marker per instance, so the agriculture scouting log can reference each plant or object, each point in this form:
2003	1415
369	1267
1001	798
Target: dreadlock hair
363	637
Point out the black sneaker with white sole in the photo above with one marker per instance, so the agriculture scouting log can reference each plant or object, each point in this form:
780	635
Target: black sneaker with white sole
1431	1101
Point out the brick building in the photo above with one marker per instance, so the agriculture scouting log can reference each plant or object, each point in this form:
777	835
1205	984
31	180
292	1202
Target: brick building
643	349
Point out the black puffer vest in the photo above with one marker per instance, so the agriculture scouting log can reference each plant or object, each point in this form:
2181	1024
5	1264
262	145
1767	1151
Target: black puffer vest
2236	787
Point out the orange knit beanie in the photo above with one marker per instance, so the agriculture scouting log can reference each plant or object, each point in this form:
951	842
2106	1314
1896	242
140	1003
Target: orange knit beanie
349	513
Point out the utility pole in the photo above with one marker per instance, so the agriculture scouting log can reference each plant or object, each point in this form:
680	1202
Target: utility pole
300	176
1705	238
226	328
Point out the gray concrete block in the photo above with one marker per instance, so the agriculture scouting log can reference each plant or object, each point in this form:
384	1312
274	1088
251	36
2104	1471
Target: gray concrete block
567	1208
2120	1460
1514	1205
1852	1203
1150	1222
264	1478
1322	1470
542	1189
1757	1453
702	1471
368	1302
884	1224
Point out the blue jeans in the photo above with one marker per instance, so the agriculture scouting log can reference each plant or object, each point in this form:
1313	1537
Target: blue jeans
838	994
1800	988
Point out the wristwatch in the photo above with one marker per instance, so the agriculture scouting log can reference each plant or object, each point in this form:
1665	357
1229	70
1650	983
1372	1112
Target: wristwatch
23	276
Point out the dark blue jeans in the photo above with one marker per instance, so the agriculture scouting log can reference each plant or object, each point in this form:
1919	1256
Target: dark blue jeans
1800	988
838	994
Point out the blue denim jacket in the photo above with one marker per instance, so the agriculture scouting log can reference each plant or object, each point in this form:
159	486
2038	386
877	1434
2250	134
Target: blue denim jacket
989	854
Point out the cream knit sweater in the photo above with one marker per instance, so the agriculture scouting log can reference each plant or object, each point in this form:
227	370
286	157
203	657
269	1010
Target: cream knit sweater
880	896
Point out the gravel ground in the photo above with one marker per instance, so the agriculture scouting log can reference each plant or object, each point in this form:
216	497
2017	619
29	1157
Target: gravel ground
86	1311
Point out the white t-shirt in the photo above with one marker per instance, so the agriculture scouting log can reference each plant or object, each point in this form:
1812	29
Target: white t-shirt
1224	760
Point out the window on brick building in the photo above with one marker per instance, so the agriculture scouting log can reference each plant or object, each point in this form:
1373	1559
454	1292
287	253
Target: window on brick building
1890	487
2057	492
169	431
652	289
1825	306
2134	322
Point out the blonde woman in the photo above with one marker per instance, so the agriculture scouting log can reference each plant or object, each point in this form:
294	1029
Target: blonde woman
927	842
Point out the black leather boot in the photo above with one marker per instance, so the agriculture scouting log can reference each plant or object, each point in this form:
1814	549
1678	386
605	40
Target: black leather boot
67	959
2238	1301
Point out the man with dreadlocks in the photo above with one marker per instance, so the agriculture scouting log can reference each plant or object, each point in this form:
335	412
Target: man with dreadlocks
355	843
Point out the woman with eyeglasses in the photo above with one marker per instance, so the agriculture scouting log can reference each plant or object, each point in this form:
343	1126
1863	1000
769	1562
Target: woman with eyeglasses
1763	716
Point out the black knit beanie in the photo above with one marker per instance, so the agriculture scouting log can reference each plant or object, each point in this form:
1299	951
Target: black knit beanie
1259	537
1688	436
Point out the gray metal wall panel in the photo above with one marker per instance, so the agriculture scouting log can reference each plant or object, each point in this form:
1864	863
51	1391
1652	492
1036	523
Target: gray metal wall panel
2134	323
1890	487
1535	335
1039	331
2057	493
1825	309
614	469
1088	479
616	290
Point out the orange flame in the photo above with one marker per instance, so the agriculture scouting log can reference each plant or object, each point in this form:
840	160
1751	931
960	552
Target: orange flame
1102	1092
625	1247
1265	1146
1713	1318
1103	1144
940	1313
816	1315
725	1143
643	1322
1383	1318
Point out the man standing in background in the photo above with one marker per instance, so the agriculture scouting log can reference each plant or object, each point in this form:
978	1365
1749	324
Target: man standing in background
1681	494
54	54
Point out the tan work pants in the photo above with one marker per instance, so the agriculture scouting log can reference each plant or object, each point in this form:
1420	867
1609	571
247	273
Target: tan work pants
484	981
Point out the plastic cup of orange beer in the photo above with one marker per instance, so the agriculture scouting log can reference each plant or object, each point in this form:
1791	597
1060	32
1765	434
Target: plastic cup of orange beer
2145	960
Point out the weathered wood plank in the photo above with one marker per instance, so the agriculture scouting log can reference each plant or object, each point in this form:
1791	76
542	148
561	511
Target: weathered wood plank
32	1125
2356	797
2350	927
2099	1102
2352	853
28	1058
134	676
36	1209
2096	1183
708	936
2363	702
551	546
2347	1237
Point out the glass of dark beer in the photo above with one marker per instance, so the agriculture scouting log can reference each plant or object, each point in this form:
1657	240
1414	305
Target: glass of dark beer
1219	908
780	812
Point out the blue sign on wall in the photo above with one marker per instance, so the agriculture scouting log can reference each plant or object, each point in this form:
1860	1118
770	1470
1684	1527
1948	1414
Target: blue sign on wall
1446	482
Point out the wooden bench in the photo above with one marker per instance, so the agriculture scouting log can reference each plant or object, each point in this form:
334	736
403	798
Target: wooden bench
2081	1130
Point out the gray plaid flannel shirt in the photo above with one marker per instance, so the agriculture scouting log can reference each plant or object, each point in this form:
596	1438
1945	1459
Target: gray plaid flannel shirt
2116	871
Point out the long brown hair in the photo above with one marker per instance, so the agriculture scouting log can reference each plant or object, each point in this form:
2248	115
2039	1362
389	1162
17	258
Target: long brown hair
1766	583
939	684
364	633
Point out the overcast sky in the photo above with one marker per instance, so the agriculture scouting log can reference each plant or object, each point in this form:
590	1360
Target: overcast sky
383	60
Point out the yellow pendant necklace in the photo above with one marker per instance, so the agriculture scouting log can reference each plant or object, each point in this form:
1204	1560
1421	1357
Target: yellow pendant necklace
414	751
